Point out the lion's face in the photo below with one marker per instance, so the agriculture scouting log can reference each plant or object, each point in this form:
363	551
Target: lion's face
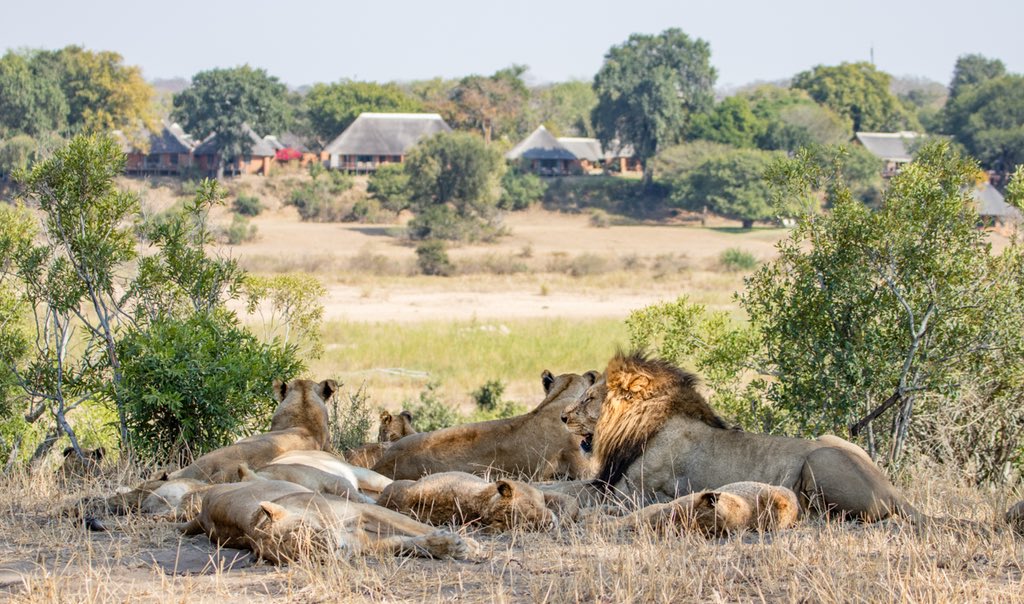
81	467
283	536
581	416
394	427
517	504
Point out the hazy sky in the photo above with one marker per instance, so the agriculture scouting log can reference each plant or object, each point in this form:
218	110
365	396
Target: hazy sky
324	40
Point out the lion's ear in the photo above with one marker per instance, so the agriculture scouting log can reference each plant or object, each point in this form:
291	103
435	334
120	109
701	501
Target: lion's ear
245	473
161	476
709	499
505	488
280	390
273	512
407	415
68	451
638	384
99	453
592	376
547	380
385	418
327	389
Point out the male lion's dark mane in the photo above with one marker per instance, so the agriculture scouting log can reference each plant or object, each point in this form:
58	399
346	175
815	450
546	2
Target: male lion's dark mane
643	393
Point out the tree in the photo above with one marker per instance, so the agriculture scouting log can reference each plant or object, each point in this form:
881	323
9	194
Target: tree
390	184
564	108
731	184
31	100
971	70
648	89
519	190
454	176
859	92
988	120
332	107
731	122
492	104
222	101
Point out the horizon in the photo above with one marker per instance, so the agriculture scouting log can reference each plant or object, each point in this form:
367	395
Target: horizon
557	41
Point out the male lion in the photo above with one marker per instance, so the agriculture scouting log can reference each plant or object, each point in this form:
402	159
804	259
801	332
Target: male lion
534	445
657	437
299	423
753	506
461	498
392	428
281	521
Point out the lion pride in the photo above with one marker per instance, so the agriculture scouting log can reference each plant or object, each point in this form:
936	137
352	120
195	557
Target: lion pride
657	437
392	428
534	445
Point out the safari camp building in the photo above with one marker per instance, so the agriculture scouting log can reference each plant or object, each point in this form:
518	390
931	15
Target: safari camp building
167	152
257	161
545	155
376	139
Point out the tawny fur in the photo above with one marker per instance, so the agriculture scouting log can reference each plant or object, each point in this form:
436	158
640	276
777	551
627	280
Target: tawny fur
581	416
314	479
740	506
281	522
392	428
78	467
534	445
1015	517
299	423
461	498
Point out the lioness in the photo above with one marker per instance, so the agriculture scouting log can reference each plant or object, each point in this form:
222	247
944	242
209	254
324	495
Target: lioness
657	438
534	445
281	521
461	498
392	428
581	415
77	467
314	479
734	507
365	479
1015	517
299	423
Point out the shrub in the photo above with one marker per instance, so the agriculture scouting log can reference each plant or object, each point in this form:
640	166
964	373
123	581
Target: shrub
588	264
735	260
316	170
488	396
368	211
375	264
248	205
390	185
430	412
316	202
339	182
599	219
519	190
432	259
350	423
198	383
239	231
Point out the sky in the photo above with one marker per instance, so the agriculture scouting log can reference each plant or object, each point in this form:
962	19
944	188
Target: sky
326	41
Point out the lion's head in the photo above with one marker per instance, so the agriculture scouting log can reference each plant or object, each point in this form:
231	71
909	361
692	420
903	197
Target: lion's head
642	394
394	427
302	404
511	503
77	466
580	417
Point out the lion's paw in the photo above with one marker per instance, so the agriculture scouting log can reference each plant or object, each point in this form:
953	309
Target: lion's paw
443	544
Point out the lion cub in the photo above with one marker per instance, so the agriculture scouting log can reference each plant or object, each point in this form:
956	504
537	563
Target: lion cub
734	507
461	498
392	428
282	521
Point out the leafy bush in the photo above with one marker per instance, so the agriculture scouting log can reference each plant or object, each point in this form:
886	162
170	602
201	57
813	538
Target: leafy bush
430	412
240	230
736	260
588	264
369	211
248	205
488	396
432	259
520	189
390	185
339	182
599	219
198	383
316	202
350	423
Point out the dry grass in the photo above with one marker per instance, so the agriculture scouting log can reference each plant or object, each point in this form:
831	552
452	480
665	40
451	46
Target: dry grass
819	561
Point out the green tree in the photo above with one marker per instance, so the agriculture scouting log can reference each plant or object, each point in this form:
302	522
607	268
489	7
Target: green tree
731	122
648	89
564	108
221	101
988	120
332	107
16	154
454	176
971	70
31	100
519	190
491	104
731	184
858	92
390	184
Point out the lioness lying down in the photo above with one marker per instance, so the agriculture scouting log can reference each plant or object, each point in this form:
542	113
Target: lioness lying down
281	521
314	479
363	478
753	506
462	498
299	423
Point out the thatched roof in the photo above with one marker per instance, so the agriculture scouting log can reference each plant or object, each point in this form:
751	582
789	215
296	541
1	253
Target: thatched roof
170	139
260	146
583	148
991	203
889	146
386	133
540	144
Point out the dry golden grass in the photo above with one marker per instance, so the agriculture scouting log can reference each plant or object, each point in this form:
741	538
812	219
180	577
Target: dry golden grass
819	561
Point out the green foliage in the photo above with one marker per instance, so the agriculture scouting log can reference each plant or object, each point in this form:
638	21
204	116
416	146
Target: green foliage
318	200
735	259
197	383
31	99
731	185
368	210
291	307
247	205
520	189
239	231
390	184
987	118
973	69
16	154
430	412
221	101
649	88
493	104
432	259
350	424
564	108
453	177
731	122
333	107
488	396
859	92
